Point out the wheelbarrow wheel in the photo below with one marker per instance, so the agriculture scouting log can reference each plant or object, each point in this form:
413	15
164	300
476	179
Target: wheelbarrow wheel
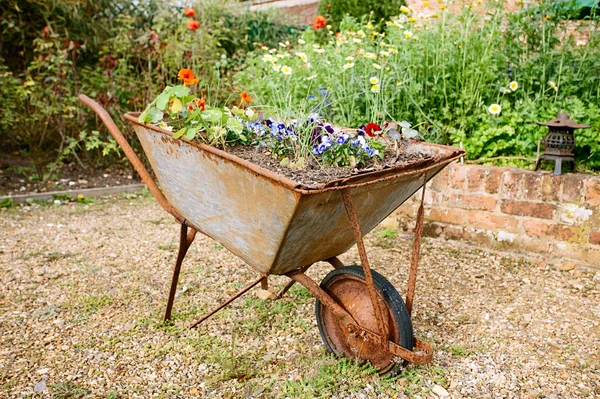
347	286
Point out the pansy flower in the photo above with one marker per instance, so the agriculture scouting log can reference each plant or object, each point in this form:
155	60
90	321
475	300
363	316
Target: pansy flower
371	129
342	138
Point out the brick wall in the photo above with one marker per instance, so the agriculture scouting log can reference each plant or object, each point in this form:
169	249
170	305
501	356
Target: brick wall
556	216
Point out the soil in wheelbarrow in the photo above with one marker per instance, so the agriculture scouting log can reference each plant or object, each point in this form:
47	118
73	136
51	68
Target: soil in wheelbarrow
315	175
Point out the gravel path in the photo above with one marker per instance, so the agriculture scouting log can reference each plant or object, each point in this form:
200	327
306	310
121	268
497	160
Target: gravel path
84	286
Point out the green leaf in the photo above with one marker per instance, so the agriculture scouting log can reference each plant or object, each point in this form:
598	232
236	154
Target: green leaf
143	116
162	101
212	115
187	99
234	125
179	133
194	115
6	202
180	91
154	115
238	112
191	133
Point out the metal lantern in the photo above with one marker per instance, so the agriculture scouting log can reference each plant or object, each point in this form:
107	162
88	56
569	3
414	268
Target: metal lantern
559	142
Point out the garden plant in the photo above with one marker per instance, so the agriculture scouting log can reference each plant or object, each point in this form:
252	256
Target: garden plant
479	78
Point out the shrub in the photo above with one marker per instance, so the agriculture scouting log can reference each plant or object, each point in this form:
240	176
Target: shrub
122	54
443	73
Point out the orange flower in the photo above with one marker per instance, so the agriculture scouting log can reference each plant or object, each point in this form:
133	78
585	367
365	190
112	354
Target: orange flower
246	98
189	12
193	24
197	103
187	76
319	22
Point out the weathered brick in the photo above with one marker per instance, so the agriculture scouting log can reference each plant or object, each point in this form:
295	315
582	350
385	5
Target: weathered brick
441	181
477	202
476	178
592	192
532	183
595	237
538	210
511	183
572	188
535	228
589	253
489	221
493	181
459	176
446	215
574	214
455	233
433	197
550	188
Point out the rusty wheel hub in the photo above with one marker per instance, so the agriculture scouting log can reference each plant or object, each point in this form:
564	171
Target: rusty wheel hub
352	293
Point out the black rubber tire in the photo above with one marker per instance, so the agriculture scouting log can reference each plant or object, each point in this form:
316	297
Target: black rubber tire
395	305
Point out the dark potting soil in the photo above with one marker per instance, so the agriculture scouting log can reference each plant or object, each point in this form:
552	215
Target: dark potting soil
314	175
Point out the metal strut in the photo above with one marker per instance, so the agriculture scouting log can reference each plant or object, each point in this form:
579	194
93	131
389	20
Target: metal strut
227	302
185	240
351	212
414	262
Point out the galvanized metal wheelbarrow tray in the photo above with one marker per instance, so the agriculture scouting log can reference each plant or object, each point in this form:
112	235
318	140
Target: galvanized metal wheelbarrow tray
279	227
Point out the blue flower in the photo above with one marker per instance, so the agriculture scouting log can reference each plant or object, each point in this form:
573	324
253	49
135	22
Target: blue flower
359	142
342	139
371	152
328	127
321	148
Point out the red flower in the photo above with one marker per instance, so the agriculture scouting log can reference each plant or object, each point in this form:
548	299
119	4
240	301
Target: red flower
187	76
193	24
197	103
189	12
319	22
372	129
246	98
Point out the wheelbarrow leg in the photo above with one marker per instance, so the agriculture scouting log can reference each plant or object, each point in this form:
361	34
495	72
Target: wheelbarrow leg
351	212
185	240
414	262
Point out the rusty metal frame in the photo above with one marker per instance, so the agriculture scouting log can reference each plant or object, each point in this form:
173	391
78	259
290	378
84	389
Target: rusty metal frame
424	351
364	260
185	240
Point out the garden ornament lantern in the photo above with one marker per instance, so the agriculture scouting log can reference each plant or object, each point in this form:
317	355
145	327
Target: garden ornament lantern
559	142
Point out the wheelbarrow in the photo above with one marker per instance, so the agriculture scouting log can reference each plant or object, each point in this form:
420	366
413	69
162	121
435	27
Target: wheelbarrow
280	227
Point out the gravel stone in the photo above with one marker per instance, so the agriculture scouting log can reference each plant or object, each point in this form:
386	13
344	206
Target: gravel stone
84	288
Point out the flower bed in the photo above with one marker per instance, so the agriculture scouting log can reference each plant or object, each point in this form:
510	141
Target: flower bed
301	146
480	78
